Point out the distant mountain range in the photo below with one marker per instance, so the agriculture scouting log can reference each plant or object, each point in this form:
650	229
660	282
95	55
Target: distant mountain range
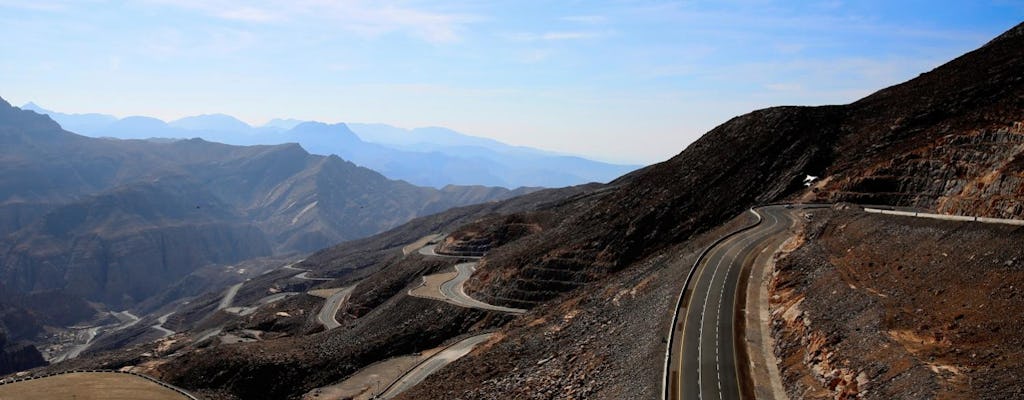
424	156
114	221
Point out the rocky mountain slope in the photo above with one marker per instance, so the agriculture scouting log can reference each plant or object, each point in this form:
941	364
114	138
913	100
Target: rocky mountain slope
599	268
116	221
876	307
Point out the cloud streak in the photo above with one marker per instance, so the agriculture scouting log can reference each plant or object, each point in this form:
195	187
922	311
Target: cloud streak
554	36
364	18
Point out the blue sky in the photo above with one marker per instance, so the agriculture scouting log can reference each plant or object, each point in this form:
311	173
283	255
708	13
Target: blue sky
632	81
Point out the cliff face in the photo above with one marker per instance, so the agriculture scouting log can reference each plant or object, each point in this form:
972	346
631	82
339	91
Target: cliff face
975	172
18	357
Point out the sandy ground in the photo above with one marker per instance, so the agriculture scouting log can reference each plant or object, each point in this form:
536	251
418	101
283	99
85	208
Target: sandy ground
88	385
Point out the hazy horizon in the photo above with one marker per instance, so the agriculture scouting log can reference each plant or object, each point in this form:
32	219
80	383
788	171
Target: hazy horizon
620	81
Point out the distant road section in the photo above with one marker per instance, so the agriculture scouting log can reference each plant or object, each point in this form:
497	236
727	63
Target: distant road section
160	324
329	311
431	251
229	296
434	364
423	241
304	274
451	289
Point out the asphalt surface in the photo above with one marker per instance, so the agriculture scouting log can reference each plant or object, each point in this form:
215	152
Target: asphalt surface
454	291
160	324
423	241
305	272
429	250
703	343
327	313
431	365
229	296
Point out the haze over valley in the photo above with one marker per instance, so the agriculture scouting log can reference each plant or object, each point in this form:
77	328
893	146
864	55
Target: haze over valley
424	156
157	243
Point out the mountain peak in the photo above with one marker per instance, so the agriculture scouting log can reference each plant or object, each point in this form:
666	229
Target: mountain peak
211	122
283	123
321	127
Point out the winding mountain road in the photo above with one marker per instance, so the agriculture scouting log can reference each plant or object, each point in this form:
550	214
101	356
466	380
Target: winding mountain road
229	296
452	289
419	244
304	275
455	293
702	361
329	311
160	324
431	365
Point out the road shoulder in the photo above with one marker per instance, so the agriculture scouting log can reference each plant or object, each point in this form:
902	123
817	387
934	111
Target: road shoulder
764	368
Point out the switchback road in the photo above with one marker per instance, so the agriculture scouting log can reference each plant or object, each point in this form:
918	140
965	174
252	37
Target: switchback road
327	314
454	290
451	289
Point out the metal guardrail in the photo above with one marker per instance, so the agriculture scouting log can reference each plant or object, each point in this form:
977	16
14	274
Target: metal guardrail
890	210
967	218
111	371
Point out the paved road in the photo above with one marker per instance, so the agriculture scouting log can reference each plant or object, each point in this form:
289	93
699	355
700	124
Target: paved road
423	241
305	272
93	332
329	310
229	296
160	324
431	365
703	338
454	291
430	251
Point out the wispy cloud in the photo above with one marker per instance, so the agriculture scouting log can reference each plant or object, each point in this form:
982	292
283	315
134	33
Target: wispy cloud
554	36
586	19
366	18
171	43
248	14
51	5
